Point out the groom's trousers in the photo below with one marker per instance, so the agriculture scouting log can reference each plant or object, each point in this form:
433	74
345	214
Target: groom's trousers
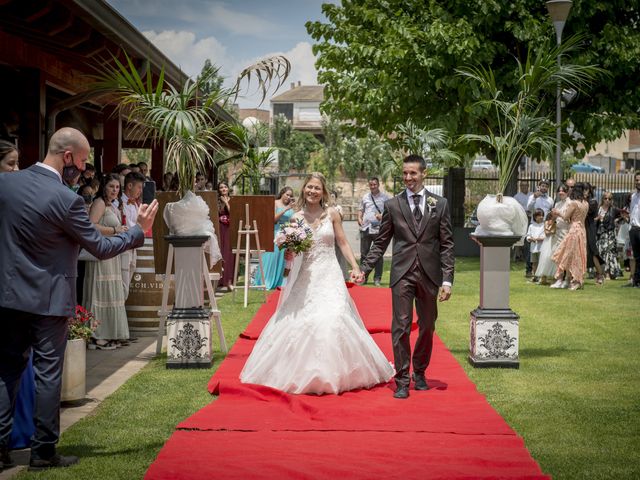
415	285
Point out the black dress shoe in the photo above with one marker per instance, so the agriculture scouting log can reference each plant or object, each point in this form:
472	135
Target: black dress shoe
401	392
420	382
56	461
5	459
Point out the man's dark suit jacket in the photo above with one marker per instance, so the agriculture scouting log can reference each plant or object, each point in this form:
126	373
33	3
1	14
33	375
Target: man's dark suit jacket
42	226
431	242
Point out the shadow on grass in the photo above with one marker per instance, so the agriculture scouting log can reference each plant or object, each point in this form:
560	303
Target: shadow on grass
532	352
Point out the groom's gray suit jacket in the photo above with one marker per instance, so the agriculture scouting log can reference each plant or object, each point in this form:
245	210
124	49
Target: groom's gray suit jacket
42	226
431	242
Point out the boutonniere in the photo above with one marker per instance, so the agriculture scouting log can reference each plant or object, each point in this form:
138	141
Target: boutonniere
431	203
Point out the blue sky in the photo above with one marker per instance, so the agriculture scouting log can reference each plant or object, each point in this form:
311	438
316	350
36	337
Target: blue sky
232	34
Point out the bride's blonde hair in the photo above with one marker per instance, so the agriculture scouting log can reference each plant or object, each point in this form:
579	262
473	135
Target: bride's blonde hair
324	201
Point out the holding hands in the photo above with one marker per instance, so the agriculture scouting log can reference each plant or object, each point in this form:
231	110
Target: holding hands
357	276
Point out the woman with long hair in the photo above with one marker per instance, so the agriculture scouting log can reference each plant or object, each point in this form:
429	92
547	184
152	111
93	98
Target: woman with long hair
571	255
593	255
224	220
315	342
606	236
8	157
273	262
103	288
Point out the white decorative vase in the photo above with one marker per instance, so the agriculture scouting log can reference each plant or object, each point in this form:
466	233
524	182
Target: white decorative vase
501	216
74	372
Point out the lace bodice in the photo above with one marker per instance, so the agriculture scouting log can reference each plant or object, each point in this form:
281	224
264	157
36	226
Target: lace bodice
323	243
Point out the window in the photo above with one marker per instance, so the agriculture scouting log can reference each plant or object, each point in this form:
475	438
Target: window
285	109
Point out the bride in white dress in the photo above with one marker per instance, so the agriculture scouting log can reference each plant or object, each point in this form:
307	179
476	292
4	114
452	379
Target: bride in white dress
316	342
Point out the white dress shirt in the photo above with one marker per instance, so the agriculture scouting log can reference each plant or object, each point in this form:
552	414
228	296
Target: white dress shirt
421	205
130	211
49	167
411	201
634	216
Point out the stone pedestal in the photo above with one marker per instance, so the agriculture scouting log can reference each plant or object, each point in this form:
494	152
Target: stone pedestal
189	323
494	335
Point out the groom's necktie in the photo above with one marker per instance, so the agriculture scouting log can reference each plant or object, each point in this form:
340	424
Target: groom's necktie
417	214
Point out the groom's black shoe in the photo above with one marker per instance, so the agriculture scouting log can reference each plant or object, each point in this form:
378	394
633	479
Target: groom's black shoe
420	382
401	392
5	459
56	461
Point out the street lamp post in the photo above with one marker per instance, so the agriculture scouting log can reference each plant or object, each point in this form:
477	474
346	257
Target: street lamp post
558	11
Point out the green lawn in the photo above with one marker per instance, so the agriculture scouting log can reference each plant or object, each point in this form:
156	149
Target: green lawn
575	398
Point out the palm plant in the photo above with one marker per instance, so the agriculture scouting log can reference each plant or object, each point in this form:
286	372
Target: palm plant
254	160
191	124
432	143
522	125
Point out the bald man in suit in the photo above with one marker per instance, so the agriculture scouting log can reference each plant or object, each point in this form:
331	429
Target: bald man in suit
42	226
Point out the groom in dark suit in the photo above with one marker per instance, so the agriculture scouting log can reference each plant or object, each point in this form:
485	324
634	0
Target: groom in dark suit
42	225
419	224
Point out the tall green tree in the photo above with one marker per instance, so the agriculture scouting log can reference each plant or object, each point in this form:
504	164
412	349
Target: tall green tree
332	152
301	146
280	135
385	61
212	79
352	160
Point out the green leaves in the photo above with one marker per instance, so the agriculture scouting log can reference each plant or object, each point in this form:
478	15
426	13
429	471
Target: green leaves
518	124
386	61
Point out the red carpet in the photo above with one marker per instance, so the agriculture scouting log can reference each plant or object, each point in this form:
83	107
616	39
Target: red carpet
250	431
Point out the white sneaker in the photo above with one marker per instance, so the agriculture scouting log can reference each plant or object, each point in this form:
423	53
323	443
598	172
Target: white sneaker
557	284
565	284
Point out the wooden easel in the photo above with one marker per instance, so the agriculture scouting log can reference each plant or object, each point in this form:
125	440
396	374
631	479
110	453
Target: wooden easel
247	233
213	306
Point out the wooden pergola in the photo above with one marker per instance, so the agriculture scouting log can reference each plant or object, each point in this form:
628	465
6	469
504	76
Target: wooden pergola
48	51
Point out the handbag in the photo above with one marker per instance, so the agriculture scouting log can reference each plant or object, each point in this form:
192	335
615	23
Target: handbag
550	227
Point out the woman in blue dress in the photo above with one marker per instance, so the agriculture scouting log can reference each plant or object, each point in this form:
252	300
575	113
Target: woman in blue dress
273	262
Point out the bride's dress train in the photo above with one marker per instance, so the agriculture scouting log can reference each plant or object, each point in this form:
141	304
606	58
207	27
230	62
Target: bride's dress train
316	342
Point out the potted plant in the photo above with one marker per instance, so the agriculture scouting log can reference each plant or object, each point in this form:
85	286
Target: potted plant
520	125
81	327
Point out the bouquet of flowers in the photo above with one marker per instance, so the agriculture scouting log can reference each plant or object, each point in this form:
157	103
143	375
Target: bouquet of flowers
295	236
82	324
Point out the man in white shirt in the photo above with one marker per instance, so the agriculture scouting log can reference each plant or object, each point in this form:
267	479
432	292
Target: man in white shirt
634	230
131	197
523	197
540	199
369	217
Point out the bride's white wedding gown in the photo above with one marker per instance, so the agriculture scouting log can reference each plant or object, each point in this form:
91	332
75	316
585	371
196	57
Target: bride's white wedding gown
316	342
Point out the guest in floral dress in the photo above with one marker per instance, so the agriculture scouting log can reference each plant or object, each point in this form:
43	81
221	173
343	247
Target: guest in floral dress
571	255
606	236
273	262
103	289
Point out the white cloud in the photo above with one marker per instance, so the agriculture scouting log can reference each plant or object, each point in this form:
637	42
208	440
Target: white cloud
189	54
241	23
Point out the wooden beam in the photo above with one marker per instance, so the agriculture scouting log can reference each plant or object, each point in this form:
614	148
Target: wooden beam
112	141
157	164
39	13
32	141
62	26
